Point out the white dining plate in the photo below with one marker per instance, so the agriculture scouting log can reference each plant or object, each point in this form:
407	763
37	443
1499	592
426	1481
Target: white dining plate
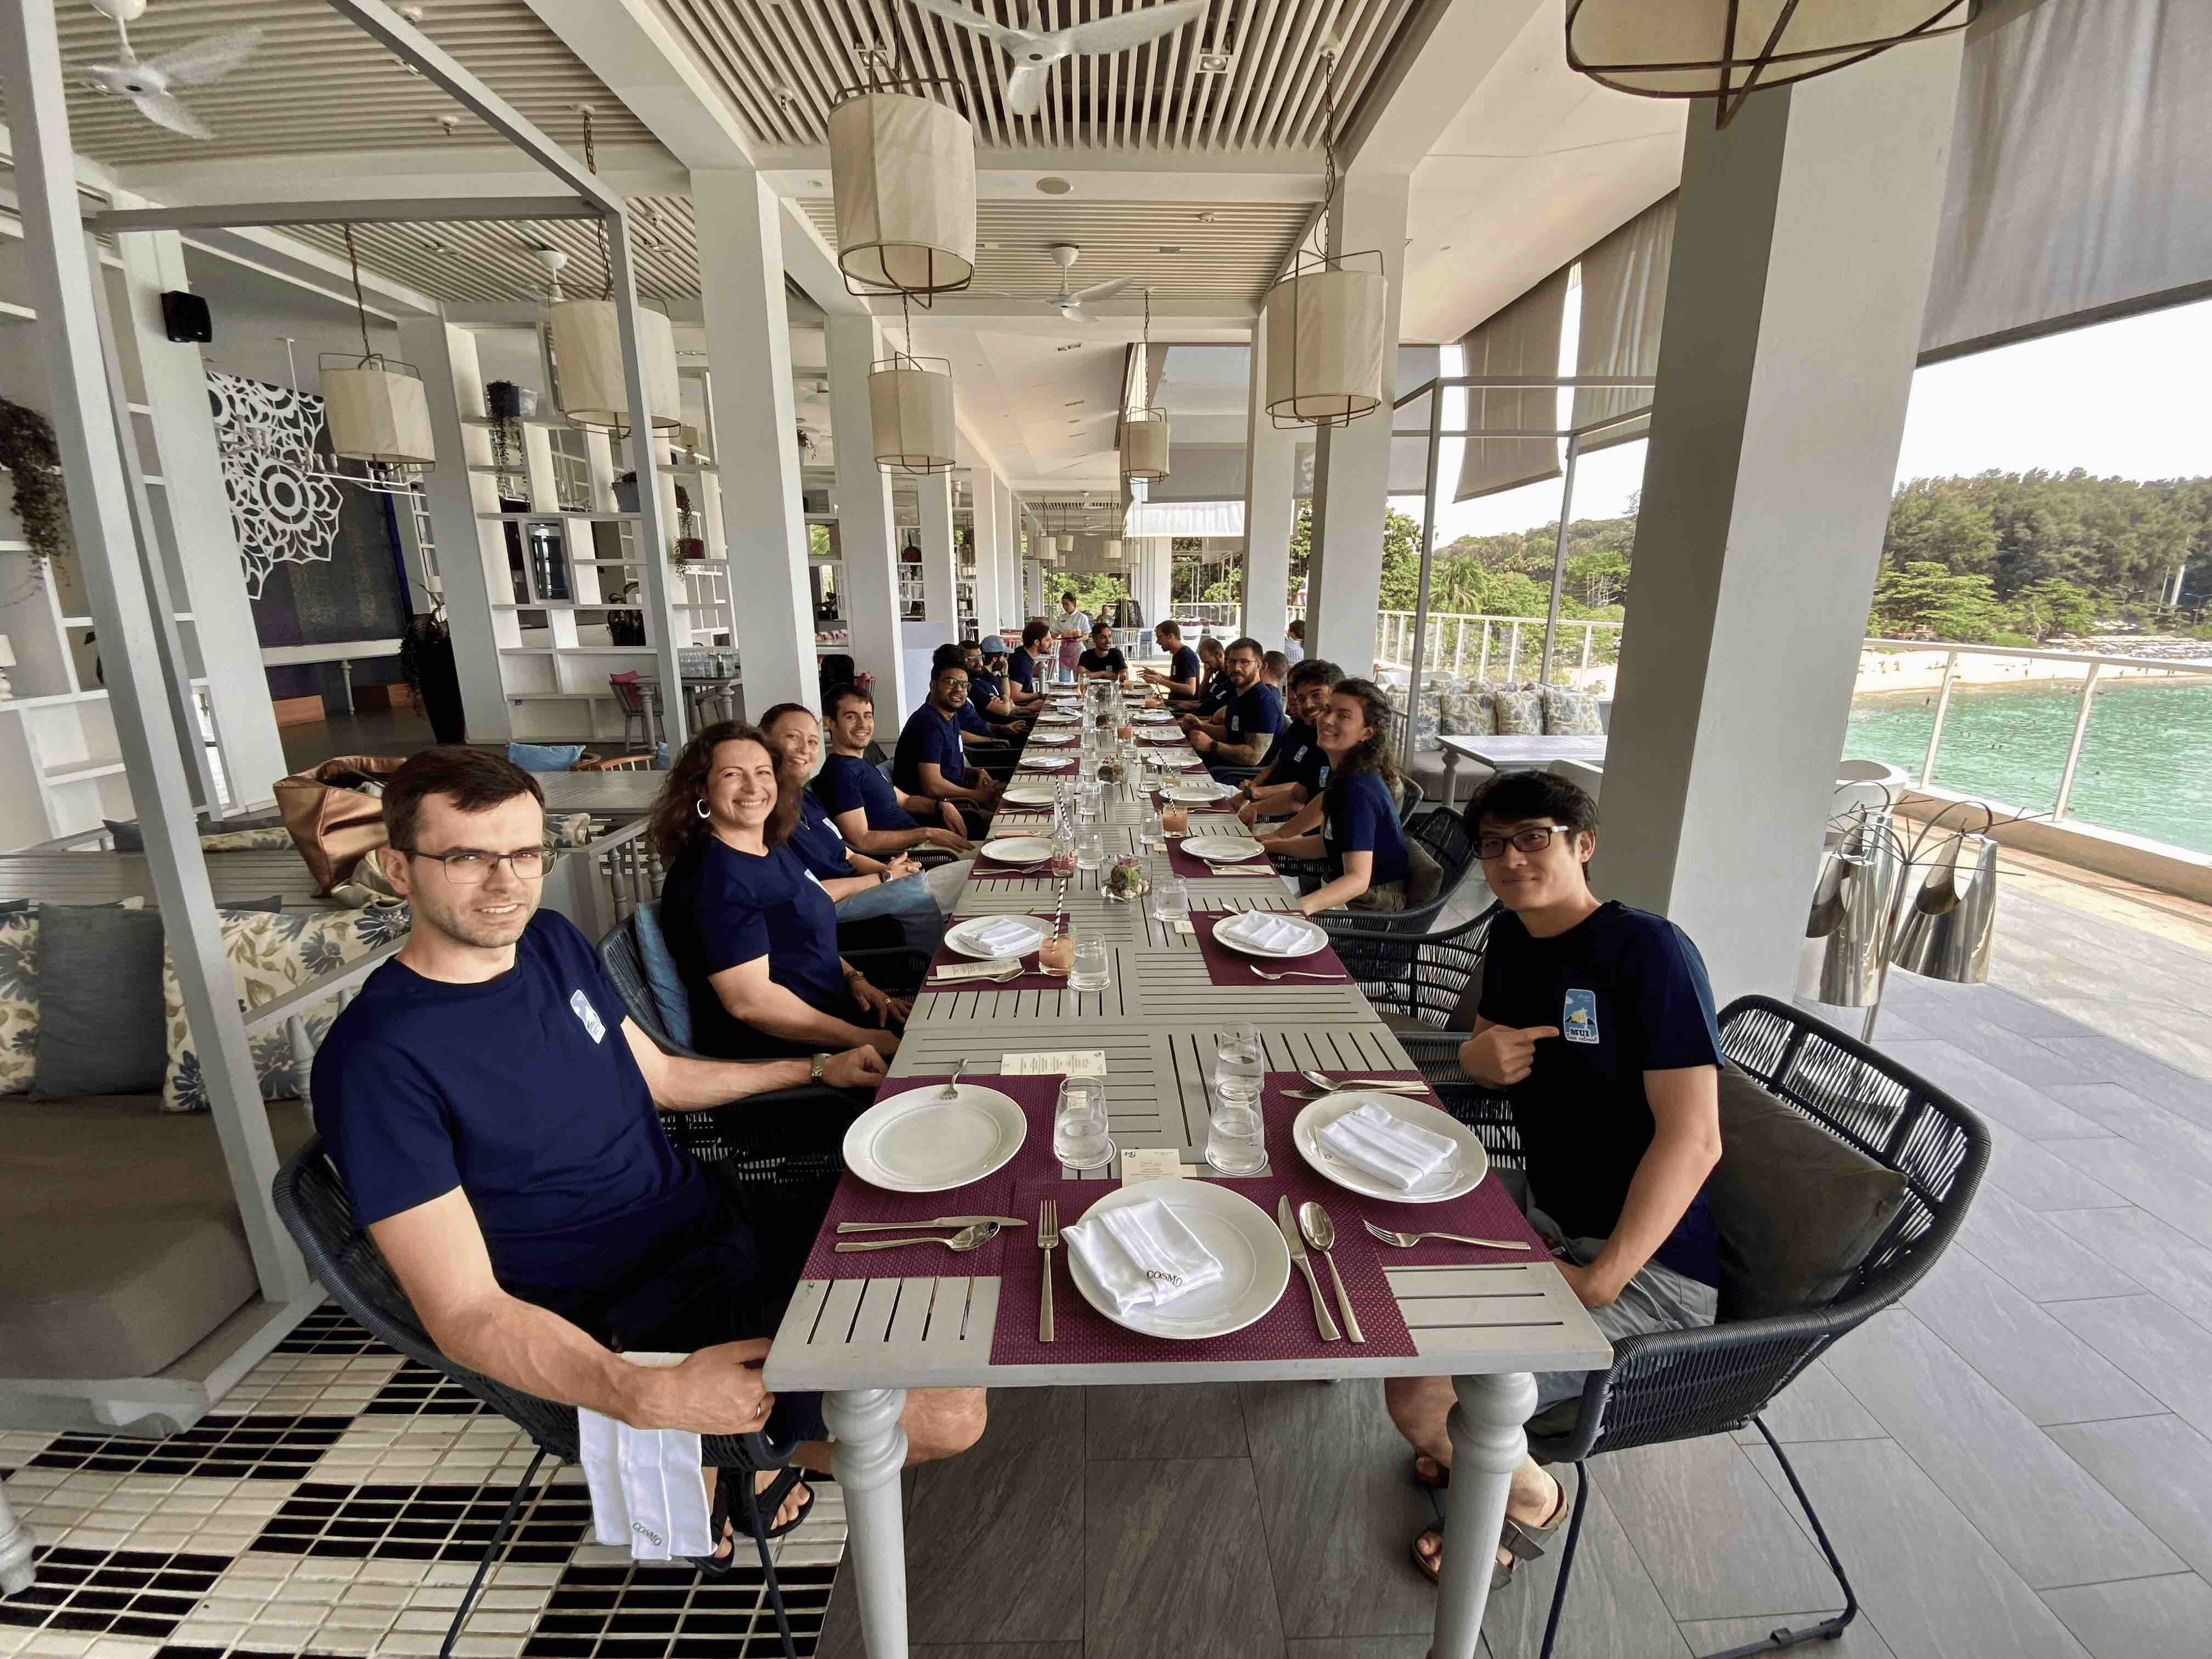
1316	938
1044	762
1151	716
1028	794
1052	737
920	1142
1196	792
1222	849
1160	734
1018	849
1461	1174
1255	1263
1056	717
961	936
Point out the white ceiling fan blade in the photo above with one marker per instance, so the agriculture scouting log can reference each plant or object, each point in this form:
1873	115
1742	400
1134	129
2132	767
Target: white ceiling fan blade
1102	291
1018	299
164	110
953	12
1132	28
1025	88
205	60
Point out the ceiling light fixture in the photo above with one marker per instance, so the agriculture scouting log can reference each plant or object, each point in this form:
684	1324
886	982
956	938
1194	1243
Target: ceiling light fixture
378	411
1215	63
1145	433
910	408
902	174
1052	186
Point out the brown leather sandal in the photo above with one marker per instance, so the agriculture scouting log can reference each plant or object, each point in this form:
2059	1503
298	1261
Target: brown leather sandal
1515	1539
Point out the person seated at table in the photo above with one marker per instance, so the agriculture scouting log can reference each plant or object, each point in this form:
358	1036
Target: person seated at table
1240	735
861	886
1071	628
1272	668
1216	690
1028	663
870	811
753	934
1597	1022
987	690
1020	700
1103	660
1294	642
491	1111
1295	770
1180	677
975	732
930	760
1352	826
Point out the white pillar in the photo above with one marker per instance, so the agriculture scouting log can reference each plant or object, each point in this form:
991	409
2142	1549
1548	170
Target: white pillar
864	533
938	604
1271	455
1802	249
1013	605
1351	463
749	353
982	497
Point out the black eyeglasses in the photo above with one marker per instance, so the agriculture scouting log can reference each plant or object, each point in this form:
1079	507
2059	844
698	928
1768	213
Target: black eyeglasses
1534	839
471	867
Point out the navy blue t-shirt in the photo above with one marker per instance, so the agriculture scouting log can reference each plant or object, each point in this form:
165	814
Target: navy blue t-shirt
929	735
1297	756
721	908
971	720
1184	665
1361	818
1628	991
848	781
1254	714
1023	667
1216	694
984	687
818	843
521	1090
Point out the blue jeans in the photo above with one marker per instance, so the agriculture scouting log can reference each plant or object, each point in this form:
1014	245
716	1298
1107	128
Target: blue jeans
910	900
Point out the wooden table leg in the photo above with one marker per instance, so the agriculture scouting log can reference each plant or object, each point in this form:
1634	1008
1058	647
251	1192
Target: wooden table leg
14	1550
1488	1443
867	1454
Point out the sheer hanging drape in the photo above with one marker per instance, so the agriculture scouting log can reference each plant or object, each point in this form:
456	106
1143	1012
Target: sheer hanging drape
1623	298
1522	339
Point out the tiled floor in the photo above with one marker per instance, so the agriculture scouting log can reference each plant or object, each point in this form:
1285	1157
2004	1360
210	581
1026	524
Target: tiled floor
2018	1461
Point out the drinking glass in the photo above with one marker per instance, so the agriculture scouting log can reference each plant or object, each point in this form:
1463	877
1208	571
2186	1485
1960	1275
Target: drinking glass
1235	1144
1090	845
1148	829
1171	900
1080	1137
1090	799
1093	969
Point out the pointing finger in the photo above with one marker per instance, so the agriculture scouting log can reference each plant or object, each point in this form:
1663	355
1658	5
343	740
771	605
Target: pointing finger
1536	1033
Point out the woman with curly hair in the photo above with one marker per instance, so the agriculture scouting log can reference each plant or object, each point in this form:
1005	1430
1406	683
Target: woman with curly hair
1364	859
752	931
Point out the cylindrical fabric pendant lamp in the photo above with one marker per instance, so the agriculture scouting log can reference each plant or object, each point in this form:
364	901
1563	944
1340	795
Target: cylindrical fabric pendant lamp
902	173
378	413
1047	549
1145	443
910	414
1326	326
587	363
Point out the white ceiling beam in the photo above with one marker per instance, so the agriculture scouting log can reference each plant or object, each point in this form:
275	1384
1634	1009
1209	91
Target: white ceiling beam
628	47
1140	176
273	254
430	175
1440	57
222	216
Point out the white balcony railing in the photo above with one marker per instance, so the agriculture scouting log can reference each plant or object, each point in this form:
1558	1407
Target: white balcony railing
1492	647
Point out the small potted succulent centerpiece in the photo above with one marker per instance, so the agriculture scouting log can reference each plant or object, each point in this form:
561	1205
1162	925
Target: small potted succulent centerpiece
1126	880
1110	771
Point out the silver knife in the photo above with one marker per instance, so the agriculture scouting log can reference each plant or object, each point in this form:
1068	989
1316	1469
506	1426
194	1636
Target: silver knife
1295	1240
935	1221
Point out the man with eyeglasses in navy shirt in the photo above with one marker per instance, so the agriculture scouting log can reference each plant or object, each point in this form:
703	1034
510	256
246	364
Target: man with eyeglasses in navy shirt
492	1112
1239	736
1597	1022
932	760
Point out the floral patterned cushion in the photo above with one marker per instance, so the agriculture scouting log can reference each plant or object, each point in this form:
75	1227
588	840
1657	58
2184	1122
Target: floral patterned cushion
1519	713
273	953
1570	714
1471	712
19	1000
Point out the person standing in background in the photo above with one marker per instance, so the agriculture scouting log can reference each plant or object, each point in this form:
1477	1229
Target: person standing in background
1072	627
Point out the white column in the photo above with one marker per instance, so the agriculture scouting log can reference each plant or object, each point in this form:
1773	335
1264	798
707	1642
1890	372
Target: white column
1013	609
749	349
865	535
939	605
1351	463
982	496
1271	454
1802	249
471	551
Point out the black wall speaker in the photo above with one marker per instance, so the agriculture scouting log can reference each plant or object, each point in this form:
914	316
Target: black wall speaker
186	317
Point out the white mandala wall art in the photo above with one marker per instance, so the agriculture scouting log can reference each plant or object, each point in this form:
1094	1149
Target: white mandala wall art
283	506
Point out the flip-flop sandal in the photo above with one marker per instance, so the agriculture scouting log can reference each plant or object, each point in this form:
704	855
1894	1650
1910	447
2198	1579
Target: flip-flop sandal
1515	1539
772	1496
717	1523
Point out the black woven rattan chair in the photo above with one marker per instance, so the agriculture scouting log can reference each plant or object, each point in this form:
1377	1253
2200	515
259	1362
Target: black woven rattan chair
1684	1385
318	1214
1410	797
1421	977
1444	836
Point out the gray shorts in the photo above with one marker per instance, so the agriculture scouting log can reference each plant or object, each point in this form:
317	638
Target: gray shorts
1657	1299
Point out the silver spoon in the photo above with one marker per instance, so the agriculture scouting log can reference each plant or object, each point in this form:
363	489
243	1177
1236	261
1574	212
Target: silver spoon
1321	1234
1400	1086
967	1239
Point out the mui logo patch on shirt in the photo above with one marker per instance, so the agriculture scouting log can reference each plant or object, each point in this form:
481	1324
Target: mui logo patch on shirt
1578	1019
581	1005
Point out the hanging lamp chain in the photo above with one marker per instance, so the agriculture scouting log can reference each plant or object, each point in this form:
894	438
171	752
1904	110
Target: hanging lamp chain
360	306
1328	154
606	247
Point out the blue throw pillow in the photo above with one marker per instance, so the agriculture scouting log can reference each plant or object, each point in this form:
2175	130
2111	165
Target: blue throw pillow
662	977
545	756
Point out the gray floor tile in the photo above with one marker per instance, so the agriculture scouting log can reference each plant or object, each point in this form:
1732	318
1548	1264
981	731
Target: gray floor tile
2146	1619
2048	1520
2140	1177
2167	1263
1814	1408
1201	1419
2036	1257
2036	1173
1931	1584
2167	1351
1356	1647
1711	1535
999	1650
1614	1611
995	1537
2160	1467
1341	1509
1860	1639
2114	1062
1993	1004
1992	1091
1178	1561
2035	1362
2186	1146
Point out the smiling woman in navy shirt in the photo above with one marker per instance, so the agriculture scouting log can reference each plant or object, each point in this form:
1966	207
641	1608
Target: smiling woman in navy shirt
1356	818
753	932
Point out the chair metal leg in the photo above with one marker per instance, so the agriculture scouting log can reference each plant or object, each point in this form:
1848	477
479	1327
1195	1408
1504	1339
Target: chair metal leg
756	1523
1566	1561
1828	1628
492	1554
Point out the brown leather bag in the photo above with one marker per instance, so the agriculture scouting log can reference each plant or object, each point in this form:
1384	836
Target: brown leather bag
330	824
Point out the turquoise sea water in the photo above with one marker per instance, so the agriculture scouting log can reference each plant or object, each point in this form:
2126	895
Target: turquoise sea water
2146	763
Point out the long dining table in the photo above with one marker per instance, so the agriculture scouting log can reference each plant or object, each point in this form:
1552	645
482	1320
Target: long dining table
1489	1322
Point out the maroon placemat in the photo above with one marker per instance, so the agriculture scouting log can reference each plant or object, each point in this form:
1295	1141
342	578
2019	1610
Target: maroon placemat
1083	1336
1192	868
1034	979
1488	1212
1226	967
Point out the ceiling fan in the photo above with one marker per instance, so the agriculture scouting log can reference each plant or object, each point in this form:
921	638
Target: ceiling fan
1068	305
145	81
1036	51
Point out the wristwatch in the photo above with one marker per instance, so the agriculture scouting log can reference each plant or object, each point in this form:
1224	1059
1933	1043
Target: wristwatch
814	1070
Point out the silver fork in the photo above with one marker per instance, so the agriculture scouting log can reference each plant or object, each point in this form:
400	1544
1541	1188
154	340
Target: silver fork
1047	1241
1407	1241
952	1084
1300	973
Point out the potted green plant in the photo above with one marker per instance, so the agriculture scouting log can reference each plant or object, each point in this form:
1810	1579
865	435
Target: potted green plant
28	452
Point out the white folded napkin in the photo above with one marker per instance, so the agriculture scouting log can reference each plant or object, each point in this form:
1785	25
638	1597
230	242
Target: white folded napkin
646	1488
1004	937
1386	1146
1259	930
1141	1255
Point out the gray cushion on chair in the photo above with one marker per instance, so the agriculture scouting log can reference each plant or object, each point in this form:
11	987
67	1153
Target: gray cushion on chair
662	976
1797	1209
100	1028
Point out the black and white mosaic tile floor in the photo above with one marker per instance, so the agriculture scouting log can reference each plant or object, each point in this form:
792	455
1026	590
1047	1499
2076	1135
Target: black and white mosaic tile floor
337	1504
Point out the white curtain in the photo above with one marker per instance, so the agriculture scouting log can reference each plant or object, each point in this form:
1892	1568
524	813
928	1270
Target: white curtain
1522	339
1623	298
1184	519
